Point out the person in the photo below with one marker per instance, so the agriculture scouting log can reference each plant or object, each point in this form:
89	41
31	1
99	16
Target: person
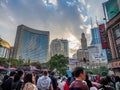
62	84
54	81
88	82
67	84
44	82
80	76
7	85
93	88
117	83
105	84
29	82
110	81
18	80
98	78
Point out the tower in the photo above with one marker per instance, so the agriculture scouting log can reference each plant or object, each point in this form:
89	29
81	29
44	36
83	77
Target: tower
83	41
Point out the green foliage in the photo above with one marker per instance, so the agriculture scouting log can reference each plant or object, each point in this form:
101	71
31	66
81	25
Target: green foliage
3	62
36	64
58	62
100	70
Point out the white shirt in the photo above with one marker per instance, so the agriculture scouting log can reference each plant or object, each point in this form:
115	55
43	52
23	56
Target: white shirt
61	85
43	82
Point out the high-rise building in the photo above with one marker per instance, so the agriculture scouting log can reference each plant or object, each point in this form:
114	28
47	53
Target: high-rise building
96	44
4	48
59	46
113	31
31	44
65	47
95	36
83	41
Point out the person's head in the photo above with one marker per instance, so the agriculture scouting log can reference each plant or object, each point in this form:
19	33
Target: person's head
29	78
68	80
45	73
117	79
52	73
12	73
19	75
79	73
108	78
104	81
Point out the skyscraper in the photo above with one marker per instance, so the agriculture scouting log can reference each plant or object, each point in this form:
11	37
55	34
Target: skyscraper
83	41
59	46
65	47
95	36
31	44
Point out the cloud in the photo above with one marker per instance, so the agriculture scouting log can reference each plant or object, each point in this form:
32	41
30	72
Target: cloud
88	6
60	17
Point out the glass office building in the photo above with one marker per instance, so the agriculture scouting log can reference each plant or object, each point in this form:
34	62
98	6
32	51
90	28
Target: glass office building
31	44
95	36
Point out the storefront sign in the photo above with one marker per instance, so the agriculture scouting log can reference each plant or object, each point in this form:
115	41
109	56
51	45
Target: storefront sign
103	36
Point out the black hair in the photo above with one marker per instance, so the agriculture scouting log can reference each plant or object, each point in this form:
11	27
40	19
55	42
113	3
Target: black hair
117	79
20	72
104	81
18	75
77	71
69	80
12	73
52	73
45	73
28	78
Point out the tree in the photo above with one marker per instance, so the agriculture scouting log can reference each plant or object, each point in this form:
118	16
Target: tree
36	64
58	62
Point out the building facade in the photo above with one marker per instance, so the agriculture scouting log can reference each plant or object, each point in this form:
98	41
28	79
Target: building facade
65	47
59	46
96	45
83	41
83	54
95	36
31	44
4	48
113	31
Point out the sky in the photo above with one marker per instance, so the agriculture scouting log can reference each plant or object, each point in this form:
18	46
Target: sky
65	19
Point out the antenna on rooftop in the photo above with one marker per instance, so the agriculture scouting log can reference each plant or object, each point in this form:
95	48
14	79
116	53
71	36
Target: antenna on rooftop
96	21
91	22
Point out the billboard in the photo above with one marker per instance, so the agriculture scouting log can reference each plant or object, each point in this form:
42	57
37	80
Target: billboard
103	36
112	8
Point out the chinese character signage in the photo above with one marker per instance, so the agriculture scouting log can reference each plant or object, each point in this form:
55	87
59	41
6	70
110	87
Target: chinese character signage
103	36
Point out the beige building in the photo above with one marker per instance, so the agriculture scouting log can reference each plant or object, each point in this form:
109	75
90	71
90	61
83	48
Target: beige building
59	46
83	54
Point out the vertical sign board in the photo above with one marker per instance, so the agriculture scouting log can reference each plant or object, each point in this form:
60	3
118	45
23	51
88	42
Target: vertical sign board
103	36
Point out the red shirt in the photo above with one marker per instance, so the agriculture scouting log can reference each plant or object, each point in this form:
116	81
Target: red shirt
78	85
66	87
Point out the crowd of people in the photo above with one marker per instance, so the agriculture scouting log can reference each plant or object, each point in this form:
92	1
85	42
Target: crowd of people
19	80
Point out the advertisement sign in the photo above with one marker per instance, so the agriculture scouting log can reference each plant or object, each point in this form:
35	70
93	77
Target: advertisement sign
112	8
103	36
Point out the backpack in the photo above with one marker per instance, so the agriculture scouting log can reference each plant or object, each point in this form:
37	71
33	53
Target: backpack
44	83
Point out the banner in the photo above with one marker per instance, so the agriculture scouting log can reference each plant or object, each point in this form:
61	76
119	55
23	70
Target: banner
103	36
